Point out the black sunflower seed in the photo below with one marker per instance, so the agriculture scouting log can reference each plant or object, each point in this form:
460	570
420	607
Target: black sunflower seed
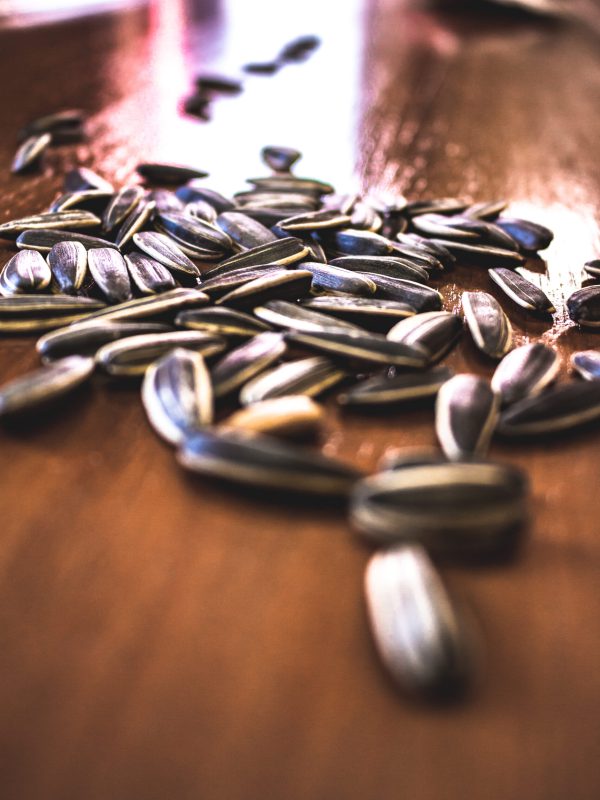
169	174
262	67
291	417
523	292
584	306
488	324
369	349
442	205
486	211
466	412
291	183
50	305
315	221
436	332
57	121
228	281
218	84
480	255
166	201
163	249
193	191
26	271
529	235
525	372
281	284
93	200
426	247
148	275
383	389
246	361
131	356
306	376
290	316
201	237
367	312
587	364
420	297
222	321
68	263
390	266
60	220
43	240
30	152
299	49
244	230
138	217
265	462
355	243
281	252
592	268
338	279
121	205
82	179
86	339
280	159
109	270
159	305
562	408
44	385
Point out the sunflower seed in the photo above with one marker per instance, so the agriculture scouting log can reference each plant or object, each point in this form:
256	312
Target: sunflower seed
246	361
83	179
200	237
281	284
281	252
244	230
92	200
131	356
26	271
68	263
121	205
30	152
43	240
584	306
436	332
109	270
154	306
418	634
61	220
521	291
177	394
381	389
488	324
592	268
280	159
289	316
222	321
193	191
420	297
201	210
163	249
368	349
530	236
367	312
86	339
351	242
291	416
265	462
291	183
338	279
69	118
315	221
51	305
139	216
426	247
166	201
390	266
44	385
438	226
525	372
148	275
307	376
228	281
562	408
453	508
587	364
170	174
481	255
486	211
466	412
416	256
442	205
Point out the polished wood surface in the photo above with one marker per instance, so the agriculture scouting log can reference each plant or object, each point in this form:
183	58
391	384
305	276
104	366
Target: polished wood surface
163	637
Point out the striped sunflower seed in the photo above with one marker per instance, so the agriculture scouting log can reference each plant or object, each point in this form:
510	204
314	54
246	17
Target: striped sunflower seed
30	152
486	211
351	242
324	219
384	390
44	385
592	268
367	312
87	339
245	231
530	236
92	200
109	270
291	183
280	159
246	361
338	279
159	305
418	634
265	462
437	226
436	332
148	275
369	349
166	201
523	292
283	284
290	316
562	408
587	364
418	256
525	372
391	266
26	271
195	237
60	220
466	412
44	240
131	357
58	120
292	416
228	281
68	264
163	249
421	298
121	205
584	307
281	252
428	247
488	324
177	394
138	217
480	255
82	179
307	376
50	305
169	174
451	508
222	321
202	210
193	190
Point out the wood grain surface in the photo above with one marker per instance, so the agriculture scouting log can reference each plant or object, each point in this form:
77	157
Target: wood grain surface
165	637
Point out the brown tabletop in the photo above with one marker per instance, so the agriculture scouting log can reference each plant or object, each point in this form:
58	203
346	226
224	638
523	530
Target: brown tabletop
164	637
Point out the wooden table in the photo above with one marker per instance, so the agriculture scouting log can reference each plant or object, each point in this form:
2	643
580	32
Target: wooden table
162	637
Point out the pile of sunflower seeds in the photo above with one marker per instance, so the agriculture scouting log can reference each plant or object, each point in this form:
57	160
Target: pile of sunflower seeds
269	300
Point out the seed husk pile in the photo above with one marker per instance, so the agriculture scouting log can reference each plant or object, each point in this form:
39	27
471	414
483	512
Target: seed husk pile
237	315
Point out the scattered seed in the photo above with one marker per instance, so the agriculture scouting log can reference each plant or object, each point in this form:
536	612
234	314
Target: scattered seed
559	409
121	205
68	263
436	332
383	390
44	385
466	412
169	174
82	179
280	159
584	307
109	270
245	231
369	313
30	152
139	216
292	416
43	240
246	361
60	220
283	283
148	275
488	324
163	249
290	316
307	376
529	235
221	321
525	372
390	266
159	305
86	339
369	349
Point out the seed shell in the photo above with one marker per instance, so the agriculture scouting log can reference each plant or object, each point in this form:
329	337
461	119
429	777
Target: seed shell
436	332
122	204
245	231
195	236
281	284
391	266
170	174
131	356
383	390
307	376
246	361
338	279
148	275
530	236
417	632
139	216
222	321
30	152
60	220
369	313
87	339
109	270
587	364
50	305
153	306
466	412
280	159
82	179
177	394
368	349
281	252
291	416
68	264
44	240
562	408
26	271
525	372
421	298
44	385
484	256
488	324
228	281
265	462
163	249
290	316
523	292
592	268
584	306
